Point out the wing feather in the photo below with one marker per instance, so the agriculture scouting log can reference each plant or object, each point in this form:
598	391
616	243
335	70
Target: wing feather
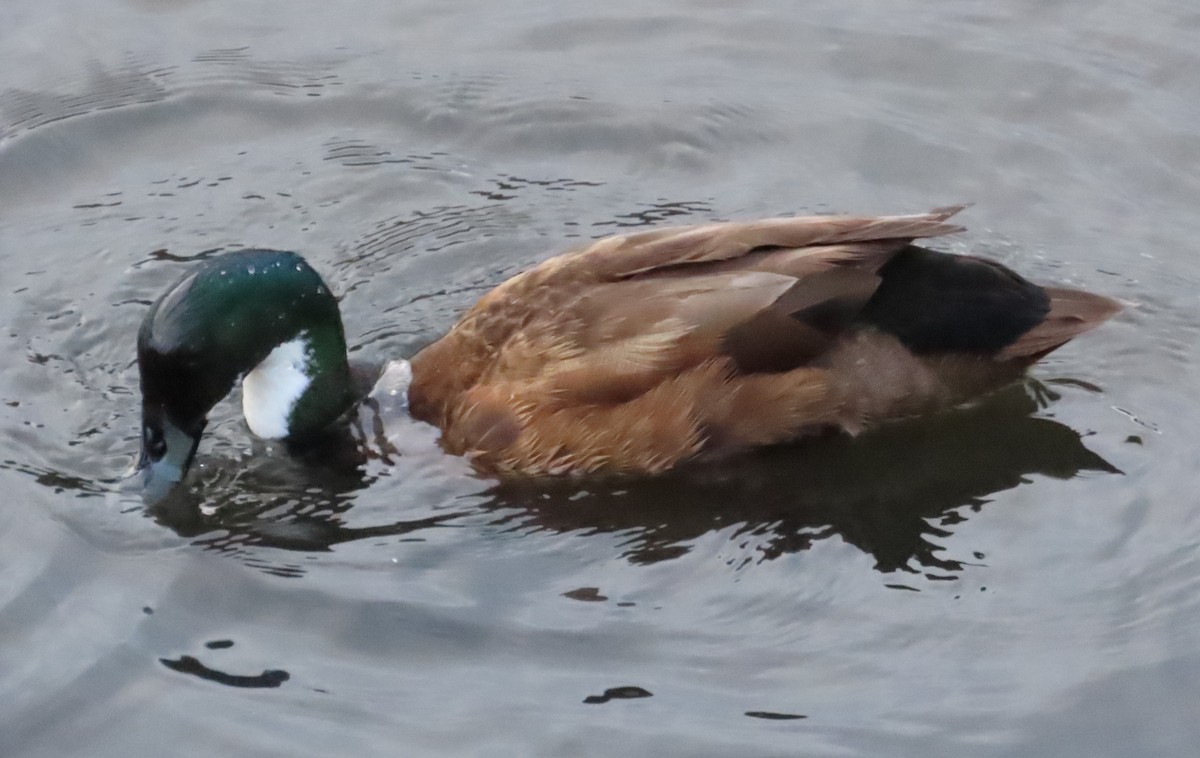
630	255
617	317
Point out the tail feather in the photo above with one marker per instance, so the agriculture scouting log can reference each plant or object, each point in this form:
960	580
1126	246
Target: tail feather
1072	312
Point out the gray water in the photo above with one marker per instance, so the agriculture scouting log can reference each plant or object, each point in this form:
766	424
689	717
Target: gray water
1020	577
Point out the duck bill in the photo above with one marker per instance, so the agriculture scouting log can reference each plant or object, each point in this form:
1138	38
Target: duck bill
167	452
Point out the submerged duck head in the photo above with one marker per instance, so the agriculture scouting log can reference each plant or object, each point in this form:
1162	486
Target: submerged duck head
261	315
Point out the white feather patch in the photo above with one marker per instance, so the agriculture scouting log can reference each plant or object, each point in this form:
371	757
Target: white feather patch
391	391
271	390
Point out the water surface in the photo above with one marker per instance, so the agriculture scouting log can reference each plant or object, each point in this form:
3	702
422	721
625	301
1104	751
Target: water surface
1020	577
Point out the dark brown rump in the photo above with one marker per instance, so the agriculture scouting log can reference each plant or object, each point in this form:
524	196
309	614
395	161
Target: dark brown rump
942	303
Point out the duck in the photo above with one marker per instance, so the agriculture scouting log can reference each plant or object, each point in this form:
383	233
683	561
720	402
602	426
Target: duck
632	354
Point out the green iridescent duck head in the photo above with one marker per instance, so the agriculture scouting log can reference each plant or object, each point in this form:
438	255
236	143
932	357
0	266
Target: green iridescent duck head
262	316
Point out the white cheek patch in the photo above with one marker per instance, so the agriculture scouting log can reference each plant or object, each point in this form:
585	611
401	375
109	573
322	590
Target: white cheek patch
271	390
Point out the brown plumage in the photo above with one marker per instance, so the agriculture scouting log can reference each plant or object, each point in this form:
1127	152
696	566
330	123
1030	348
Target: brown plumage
641	351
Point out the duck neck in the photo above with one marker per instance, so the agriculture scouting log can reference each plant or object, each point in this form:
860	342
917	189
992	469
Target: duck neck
381	427
300	387
390	392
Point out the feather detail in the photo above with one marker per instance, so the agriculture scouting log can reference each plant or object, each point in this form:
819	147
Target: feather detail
639	352
1072	312
619	257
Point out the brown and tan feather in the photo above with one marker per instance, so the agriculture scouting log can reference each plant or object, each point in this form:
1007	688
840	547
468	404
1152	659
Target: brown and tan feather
633	353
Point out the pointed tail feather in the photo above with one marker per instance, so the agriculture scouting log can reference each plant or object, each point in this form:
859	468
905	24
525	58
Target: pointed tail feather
1072	312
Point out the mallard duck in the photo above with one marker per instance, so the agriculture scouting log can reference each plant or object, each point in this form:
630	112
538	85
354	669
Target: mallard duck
634	353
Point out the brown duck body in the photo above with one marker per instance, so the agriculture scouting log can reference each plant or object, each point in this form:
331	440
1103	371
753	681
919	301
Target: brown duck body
642	351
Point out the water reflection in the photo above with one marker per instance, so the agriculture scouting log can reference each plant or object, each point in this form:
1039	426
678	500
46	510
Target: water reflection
187	664
894	494
297	501
891	493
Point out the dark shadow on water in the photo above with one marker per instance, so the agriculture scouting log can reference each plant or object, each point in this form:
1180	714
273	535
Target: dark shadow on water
298	503
892	493
296	522
187	664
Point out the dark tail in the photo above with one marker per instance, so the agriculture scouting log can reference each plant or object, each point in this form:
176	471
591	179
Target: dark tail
1072	312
